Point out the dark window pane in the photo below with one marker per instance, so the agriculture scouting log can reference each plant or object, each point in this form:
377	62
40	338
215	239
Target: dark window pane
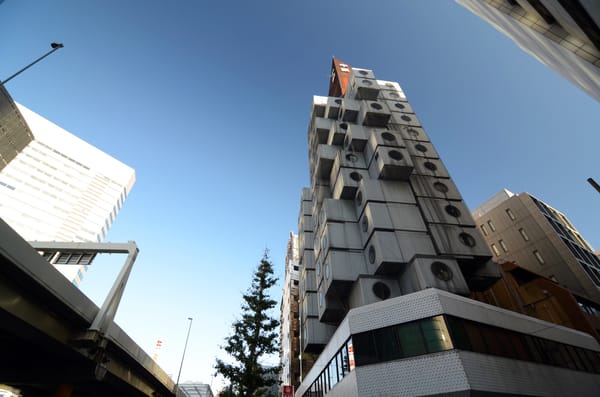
345	360
436	334
364	348
388	346
520	345
411	339
475	338
460	338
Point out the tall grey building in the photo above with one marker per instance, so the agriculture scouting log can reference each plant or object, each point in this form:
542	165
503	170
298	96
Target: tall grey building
563	34
523	229
388	253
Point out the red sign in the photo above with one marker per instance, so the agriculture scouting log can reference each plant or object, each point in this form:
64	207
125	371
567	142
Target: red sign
288	391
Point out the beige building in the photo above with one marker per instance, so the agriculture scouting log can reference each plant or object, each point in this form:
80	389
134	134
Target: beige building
523	229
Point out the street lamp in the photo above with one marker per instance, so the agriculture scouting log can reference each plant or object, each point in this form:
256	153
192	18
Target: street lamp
55	47
184	349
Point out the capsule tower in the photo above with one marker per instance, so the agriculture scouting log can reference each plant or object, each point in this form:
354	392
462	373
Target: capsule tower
382	217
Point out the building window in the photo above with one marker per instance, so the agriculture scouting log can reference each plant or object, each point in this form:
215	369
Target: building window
491	225
484	230
523	234
503	245
296	268
495	249
539	258
510	214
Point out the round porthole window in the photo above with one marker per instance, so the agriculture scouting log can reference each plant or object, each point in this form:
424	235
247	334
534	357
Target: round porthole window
430	166
399	105
352	157
326	270
452	211
441	271
412	132
338	101
359	198
467	239
395	155
367	82
318	269
320	298
344	126
394	95
365	224
355	176
324	243
421	148
376	106
381	290
363	72
405	118
388	136
372	256
440	187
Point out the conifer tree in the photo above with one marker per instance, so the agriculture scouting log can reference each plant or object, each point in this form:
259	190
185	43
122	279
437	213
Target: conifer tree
254	336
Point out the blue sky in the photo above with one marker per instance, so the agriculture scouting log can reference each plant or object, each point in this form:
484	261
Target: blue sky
210	102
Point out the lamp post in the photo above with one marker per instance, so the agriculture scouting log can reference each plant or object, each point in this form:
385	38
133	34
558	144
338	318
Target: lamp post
55	47
183	355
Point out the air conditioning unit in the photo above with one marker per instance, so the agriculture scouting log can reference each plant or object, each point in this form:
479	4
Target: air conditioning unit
332	109
374	114
325	157
345	184
405	119
391	163
337	133
399	105
422	273
362	88
445	211
349	110
422	149
382	253
429	167
356	138
318	106
372	289
391	95
458	241
314	335
320	131
381	137
429	186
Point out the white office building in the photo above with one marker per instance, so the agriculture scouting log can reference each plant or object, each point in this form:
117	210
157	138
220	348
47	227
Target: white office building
563	34
55	186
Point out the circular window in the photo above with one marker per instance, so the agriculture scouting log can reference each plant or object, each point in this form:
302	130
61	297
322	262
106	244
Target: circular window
326	270
322	215
452	211
421	148
381	290
363	72
367	82
440	187
441	271
388	136
320	298
430	166
318	269
352	157
399	105
344	126
412	132
405	118
372	254
395	155
365	224
394	95
377	106
338	101
324	242
467	239
355	176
